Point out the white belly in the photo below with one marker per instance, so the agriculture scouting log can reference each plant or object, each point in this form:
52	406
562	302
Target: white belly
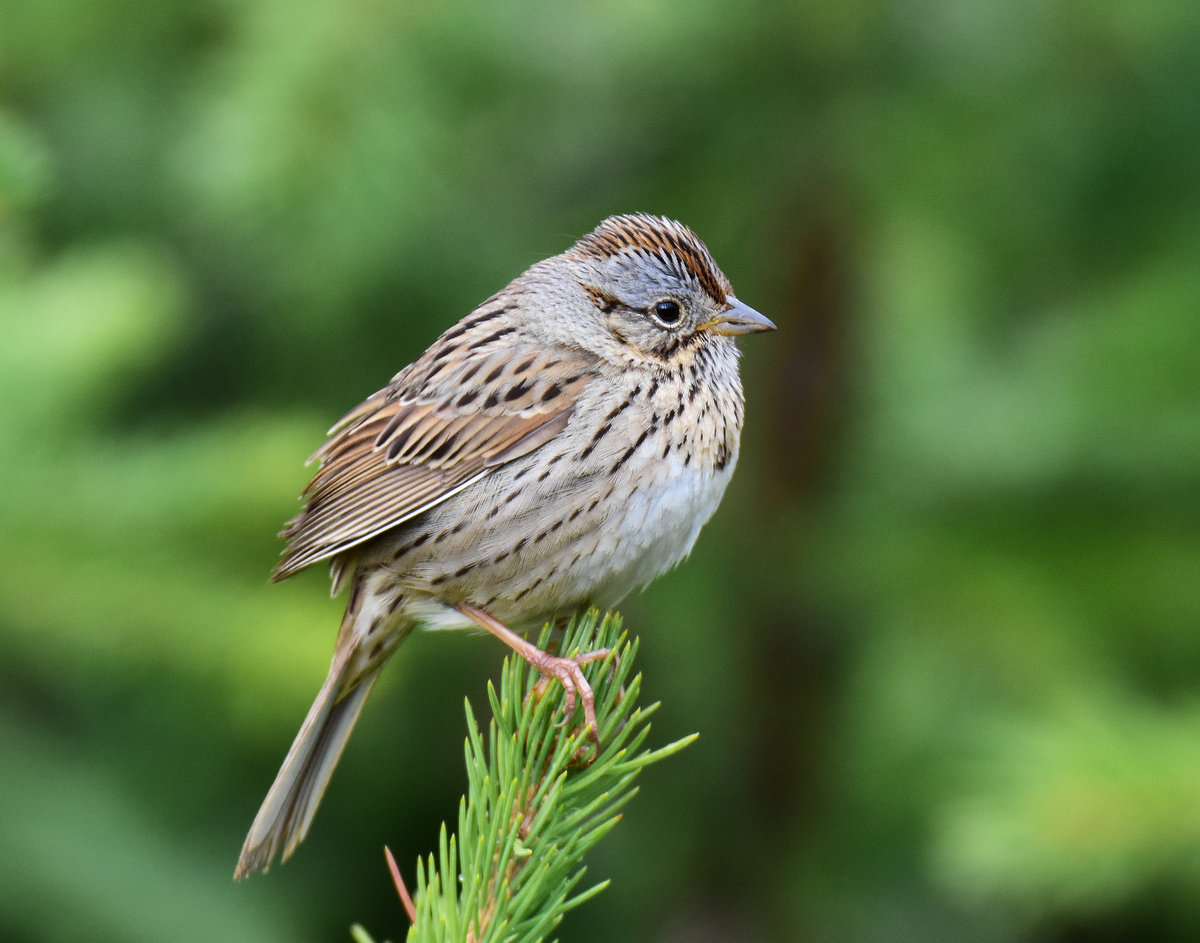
656	528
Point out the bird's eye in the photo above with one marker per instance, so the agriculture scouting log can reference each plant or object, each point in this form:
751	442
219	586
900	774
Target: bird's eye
667	312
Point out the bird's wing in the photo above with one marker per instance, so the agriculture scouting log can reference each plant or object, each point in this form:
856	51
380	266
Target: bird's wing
465	408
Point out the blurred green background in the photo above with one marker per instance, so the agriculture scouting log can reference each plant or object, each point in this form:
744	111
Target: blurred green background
941	641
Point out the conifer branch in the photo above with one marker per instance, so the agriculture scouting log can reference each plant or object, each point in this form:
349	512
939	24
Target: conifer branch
538	798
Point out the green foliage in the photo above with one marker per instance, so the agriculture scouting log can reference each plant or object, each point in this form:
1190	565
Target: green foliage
539	797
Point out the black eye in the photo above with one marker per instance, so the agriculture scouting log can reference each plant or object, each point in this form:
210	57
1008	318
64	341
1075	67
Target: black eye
667	312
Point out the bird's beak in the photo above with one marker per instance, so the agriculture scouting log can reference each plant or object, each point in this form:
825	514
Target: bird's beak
737	319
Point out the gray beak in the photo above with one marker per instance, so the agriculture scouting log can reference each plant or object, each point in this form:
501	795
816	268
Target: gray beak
737	319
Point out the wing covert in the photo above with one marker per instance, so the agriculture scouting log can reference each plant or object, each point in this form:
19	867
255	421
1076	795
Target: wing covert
442	424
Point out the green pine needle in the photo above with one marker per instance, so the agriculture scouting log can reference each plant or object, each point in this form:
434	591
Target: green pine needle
534	804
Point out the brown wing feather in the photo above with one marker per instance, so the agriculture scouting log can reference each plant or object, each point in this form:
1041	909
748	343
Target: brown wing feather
462	410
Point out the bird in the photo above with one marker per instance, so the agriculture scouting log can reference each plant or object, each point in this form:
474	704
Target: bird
560	446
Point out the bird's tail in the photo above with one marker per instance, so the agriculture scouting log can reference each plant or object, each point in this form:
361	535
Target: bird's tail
291	803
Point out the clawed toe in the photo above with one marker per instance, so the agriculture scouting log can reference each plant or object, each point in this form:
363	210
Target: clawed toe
566	671
569	673
588	657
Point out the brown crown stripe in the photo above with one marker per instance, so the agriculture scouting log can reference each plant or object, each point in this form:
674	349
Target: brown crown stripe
657	235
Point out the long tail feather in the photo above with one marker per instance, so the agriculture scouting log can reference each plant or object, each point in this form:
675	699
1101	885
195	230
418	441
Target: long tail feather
286	813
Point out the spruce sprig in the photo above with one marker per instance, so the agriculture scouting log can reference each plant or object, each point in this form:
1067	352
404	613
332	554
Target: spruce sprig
539	796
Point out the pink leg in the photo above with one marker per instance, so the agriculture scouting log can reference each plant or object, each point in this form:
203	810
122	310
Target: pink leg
566	671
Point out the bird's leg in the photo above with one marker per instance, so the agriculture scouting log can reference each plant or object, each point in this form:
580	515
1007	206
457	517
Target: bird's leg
567	671
560	629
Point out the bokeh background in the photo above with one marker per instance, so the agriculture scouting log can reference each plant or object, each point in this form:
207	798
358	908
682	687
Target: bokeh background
941	641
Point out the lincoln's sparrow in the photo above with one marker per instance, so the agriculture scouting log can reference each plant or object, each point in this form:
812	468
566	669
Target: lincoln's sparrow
556	448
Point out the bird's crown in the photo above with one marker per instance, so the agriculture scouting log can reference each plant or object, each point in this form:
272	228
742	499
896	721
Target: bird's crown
667	244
